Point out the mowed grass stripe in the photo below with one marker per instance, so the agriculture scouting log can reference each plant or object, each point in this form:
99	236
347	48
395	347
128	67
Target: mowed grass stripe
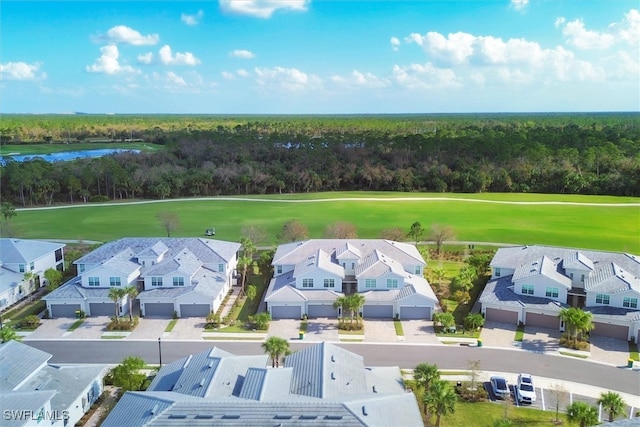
615	228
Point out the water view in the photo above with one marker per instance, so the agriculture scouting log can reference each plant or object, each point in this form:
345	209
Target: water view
67	155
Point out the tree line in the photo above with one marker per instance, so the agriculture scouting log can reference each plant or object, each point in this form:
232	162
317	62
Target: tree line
566	155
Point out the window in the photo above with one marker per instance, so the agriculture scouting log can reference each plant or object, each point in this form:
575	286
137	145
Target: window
144	263
571	275
602	299
392	283
279	269
582	278
32	266
81	268
21	268
527	289
329	283
178	281
417	270
114	281
156	281
369	283
220	268
307	283
94	281
497	271
630	302
551	292
58	255
353	265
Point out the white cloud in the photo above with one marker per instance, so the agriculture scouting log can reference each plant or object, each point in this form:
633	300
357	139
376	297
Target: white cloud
289	79
241	53
108	62
519	4
166	57
262	8
227	75
358	79
416	76
175	79
146	58
627	31
192	19
243	73
124	34
395	43
21	71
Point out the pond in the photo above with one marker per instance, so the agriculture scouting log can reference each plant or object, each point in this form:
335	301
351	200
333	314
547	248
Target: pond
68	155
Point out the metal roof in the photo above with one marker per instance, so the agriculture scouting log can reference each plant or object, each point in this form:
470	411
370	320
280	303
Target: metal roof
18	362
21	251
23	400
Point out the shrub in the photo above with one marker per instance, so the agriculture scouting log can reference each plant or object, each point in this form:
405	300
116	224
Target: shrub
30	322
175	314
124	324
99	198
46	314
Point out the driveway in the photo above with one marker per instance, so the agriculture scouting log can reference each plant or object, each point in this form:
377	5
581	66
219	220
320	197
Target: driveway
379	331
187	328
51	329
540	340
322	329
91	329
148	328
497	334
288	329
609	350
419	331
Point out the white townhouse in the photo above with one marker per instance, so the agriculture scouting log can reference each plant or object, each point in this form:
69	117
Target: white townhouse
310	275
189	276
18	257
34	392
531	284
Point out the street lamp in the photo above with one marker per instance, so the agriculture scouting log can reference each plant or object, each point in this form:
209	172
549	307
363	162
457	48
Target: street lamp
160	350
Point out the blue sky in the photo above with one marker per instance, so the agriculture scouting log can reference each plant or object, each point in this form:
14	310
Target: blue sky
319	57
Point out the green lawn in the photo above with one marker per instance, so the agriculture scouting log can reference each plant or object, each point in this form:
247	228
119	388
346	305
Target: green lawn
398	325
579	226
519	333
171	325
75	325
484	414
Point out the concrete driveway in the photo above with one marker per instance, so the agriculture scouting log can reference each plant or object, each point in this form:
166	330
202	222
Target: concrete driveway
609	350
540	340
419	331
91	329
378	330
51	329
149	329
288	329
497	334
187	328
322	329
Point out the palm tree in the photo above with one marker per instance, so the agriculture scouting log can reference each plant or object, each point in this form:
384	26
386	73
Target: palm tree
474	320
440	399
425	374
132	292
354	303
583	414
340	304
7	333
613	403
276	347
116	294
438	274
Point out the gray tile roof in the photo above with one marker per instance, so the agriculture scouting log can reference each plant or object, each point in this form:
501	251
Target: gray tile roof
377	264
625	314
501	291
17	362
283	289
348	251
578	261
320	260
139	408
611	279
121	262
22	400
21	251
542	266
72	290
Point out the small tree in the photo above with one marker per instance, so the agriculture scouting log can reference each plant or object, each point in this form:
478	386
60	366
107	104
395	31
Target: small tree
354	303
439	234
252	292
293	230
8	211
558	397
613	403
7	333
446	320
415	232
340	303
276	347
170	221
264	264
583	414
341	230
474	372
255	233
424	374
262	320
127	374
474	321
54	278
396	234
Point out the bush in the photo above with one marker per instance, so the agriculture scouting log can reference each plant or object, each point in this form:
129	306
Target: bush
123	324
30	322
99	198
46	314
479	394
175	314
568	342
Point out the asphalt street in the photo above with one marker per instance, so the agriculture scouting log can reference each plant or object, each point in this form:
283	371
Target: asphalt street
406	356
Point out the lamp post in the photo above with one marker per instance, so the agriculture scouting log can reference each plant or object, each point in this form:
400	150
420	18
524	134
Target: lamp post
160	350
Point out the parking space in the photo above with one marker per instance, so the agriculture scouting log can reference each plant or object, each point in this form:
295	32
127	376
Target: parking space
419	331
379	331
540	340
186	328
322	329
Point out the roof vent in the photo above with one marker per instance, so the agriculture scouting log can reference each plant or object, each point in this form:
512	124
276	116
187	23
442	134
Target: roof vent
333	359
201	383
364	411
186	362
333	375
283	416
177	416
203	417
211	363
374	389
230	417
154	410
333	417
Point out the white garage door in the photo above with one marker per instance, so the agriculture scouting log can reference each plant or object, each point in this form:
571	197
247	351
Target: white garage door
415	313
161	309
64	310
286	312
378	312
194	310
326	310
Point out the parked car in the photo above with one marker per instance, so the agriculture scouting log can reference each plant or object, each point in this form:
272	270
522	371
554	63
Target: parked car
525	391
500	387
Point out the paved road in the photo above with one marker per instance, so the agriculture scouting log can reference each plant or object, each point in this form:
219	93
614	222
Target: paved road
403	355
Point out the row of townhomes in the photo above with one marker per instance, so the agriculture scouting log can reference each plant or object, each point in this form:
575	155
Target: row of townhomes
186	276
22	267
34	392
531	284
320	385
310	275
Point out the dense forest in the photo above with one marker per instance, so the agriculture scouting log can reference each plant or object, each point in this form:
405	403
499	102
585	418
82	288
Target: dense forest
214	155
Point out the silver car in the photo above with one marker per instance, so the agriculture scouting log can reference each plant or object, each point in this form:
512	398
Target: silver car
500	387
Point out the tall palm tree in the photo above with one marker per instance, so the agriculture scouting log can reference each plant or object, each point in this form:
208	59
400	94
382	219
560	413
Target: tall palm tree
132	293
276	347
354	303
613	403
425	374
440	399
116	294
341	304
583	414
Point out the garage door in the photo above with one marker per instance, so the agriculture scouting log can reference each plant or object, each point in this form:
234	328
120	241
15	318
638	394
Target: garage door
322	311
415	313
378	312
544	321
194	310
162	309
286	312
613	331
102	309
502	316
64	310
